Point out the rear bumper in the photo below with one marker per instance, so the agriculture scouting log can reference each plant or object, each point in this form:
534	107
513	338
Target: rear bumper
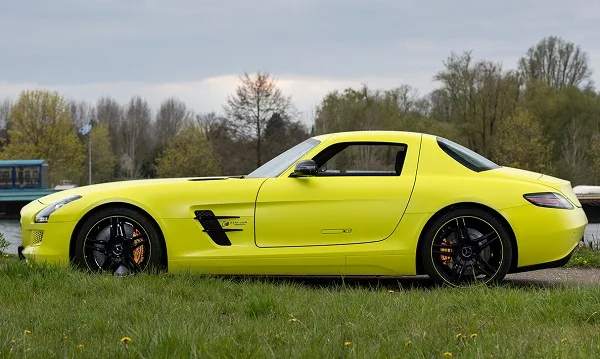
545	236
554	264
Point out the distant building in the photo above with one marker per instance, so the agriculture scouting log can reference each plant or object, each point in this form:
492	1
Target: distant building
20	174
22	181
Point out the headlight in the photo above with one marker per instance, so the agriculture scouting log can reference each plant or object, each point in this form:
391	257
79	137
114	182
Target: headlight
550	200
45	213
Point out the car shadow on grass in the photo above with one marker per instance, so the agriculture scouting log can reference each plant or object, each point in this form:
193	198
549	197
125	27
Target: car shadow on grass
420	282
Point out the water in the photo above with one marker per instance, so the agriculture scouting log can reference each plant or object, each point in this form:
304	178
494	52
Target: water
12	232
11	228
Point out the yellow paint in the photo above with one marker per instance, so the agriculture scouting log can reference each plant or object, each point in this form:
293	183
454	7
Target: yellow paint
291	226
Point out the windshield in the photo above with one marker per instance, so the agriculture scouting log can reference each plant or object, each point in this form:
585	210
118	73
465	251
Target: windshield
277	165
465	156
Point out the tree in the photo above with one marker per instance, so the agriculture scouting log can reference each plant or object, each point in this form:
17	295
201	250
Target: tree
520	142
255	101
557	110
135	138
170	117
81	113
188	154
236	156
41	128
475	96
281	134
5	108
593	153
573	162
557	63
110	113
367	109
103	158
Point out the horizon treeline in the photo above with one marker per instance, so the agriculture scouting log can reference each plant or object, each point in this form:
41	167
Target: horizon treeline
542	116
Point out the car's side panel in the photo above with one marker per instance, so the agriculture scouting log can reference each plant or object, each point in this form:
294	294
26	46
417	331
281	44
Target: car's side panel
321	211
442	181
394	256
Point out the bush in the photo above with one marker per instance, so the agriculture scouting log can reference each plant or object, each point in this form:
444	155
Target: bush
3	243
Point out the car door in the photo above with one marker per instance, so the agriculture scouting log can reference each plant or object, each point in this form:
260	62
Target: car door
358	195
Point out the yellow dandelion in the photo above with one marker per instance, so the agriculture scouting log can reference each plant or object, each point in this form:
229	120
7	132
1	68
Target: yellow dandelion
390	291
563	340
291	320
584	262
407	343
474	335
447	354
27	331
65	337
459	336
12	341
5	255
79	346
126	340
346	343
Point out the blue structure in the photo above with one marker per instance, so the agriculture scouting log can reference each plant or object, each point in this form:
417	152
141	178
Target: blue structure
22	181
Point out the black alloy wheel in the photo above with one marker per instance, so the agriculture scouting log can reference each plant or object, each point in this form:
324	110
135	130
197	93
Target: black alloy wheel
467	246
121	241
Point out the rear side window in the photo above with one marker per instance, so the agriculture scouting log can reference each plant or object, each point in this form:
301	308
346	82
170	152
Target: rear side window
470	159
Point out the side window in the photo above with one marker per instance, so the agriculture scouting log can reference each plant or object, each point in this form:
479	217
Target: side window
361	159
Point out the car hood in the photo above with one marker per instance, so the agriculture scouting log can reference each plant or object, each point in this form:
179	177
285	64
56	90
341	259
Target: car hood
559	184
57	196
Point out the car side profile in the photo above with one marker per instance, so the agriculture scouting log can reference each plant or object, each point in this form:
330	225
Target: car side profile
364	203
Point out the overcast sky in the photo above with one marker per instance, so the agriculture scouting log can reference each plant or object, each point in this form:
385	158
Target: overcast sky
196	49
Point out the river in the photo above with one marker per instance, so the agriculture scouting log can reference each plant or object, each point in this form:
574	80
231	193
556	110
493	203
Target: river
11	229
12	232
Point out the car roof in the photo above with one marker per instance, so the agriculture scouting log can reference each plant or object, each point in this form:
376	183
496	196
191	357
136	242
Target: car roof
370	135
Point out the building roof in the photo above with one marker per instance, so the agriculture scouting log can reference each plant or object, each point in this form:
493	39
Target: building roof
25	195
12	163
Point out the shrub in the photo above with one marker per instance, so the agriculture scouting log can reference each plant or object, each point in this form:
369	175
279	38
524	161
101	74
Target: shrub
3	243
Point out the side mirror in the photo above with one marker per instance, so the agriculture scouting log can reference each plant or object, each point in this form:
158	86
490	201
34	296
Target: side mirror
305	168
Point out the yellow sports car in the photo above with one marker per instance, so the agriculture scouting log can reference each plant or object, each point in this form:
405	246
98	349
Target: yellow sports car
371	203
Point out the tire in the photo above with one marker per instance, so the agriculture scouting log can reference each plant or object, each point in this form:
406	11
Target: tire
120	240
466	246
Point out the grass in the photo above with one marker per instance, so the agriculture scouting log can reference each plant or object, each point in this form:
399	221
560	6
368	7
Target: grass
50	312
585	257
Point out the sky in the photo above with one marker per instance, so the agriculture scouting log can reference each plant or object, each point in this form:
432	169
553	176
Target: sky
197	49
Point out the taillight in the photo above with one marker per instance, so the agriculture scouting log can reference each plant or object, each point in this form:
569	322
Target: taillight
549	199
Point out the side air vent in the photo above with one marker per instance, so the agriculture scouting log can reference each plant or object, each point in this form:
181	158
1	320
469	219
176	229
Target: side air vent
213	228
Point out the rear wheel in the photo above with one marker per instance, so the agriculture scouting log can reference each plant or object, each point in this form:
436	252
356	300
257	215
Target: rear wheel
466	246
119	240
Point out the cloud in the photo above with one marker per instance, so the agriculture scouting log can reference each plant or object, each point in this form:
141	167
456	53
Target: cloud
210	94
195	49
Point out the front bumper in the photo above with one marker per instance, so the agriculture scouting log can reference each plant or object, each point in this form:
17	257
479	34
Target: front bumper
44	242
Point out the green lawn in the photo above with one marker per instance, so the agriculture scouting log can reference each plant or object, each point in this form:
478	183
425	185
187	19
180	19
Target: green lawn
585	257
50	312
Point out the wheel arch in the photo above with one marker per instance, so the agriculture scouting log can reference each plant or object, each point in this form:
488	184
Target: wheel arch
421	270
113	205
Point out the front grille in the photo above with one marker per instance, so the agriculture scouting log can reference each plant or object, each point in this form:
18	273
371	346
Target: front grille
36	237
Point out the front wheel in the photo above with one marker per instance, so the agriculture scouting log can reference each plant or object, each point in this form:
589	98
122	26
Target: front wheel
466	246
119	240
